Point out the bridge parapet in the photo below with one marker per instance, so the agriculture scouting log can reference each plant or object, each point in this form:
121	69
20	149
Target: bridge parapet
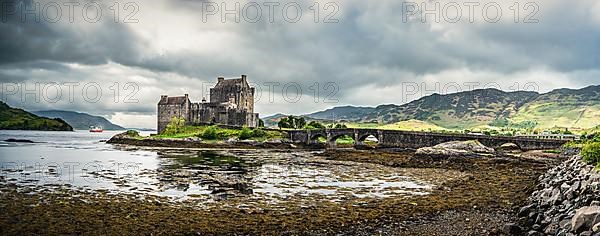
409	139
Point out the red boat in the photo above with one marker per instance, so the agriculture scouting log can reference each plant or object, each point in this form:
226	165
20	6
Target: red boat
96	129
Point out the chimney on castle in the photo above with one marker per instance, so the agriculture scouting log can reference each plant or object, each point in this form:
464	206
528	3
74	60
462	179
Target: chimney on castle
219	79
163	98
244	78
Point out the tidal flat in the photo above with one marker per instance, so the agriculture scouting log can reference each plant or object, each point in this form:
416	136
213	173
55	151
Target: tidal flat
274	192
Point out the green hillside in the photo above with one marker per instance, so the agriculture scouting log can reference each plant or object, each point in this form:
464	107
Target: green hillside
412	125
80	121
18	119
564	108
573	109
342	113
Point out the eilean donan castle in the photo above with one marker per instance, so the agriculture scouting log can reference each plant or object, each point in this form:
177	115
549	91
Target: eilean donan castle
231	103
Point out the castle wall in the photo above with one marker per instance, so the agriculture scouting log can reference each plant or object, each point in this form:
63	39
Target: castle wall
231	103
168	111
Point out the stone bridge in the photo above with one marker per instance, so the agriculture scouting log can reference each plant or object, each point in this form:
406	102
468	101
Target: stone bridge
407	139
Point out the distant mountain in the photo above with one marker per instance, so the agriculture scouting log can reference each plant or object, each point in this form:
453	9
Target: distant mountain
342	113
271	121
570	108
80	121
18	119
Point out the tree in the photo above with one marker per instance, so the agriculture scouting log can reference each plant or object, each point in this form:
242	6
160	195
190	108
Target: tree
175	125
292	122
338	126
284	123
314	125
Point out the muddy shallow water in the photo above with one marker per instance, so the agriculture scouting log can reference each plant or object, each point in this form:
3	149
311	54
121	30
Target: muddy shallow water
78	185
202	175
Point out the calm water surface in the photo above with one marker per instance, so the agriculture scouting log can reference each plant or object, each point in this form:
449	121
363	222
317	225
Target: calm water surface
82	160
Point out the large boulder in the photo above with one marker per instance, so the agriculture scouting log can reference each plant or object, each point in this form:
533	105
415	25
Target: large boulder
456	148
585	218
596	228
509	148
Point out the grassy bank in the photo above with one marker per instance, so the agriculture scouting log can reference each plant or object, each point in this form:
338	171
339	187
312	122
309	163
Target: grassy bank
590	149
217	133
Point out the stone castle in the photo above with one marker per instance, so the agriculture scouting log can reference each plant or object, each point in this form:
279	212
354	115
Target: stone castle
231	103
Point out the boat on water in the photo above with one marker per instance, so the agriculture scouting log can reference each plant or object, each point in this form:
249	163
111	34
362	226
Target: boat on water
96	129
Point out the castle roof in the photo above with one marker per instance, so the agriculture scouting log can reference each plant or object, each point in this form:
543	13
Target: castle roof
229	82
173	100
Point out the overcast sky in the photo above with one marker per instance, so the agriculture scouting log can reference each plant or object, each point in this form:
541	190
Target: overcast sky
358	53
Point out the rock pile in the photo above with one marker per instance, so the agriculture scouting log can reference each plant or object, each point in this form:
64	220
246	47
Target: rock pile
567	202
456	148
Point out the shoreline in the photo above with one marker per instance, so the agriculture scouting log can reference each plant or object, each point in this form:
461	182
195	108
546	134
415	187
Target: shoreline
487	192
123	139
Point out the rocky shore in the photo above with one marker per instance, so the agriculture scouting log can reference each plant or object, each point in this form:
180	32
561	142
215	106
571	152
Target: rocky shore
124	139
567	202
471	196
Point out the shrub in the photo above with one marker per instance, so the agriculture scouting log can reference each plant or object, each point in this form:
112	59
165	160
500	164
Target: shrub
175	126
132	133
259	133
245	133
338	126
596	138
314	125
209	133
591	152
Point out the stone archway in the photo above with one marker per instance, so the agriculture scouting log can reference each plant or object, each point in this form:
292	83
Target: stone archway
368	140
341	139
318	138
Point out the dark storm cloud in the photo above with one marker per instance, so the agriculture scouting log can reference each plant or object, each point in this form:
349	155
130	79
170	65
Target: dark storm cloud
27	39
370	47
366	35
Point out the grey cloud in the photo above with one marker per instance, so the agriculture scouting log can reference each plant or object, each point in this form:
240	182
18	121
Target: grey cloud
28	40
371	45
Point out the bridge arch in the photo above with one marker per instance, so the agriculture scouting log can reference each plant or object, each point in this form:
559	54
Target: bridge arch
405	139
314	138
334	138
368	139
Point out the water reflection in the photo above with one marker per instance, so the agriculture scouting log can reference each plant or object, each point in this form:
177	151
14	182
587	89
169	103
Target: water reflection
84	162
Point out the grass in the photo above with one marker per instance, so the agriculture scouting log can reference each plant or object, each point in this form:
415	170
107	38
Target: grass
407	125
220	133
590	149
552	151
591	153
549	115
344	140
413	125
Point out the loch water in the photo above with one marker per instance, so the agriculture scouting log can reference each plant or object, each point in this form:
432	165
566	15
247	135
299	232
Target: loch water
84	161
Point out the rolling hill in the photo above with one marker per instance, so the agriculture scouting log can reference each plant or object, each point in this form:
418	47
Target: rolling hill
80	121
565	108
18	119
